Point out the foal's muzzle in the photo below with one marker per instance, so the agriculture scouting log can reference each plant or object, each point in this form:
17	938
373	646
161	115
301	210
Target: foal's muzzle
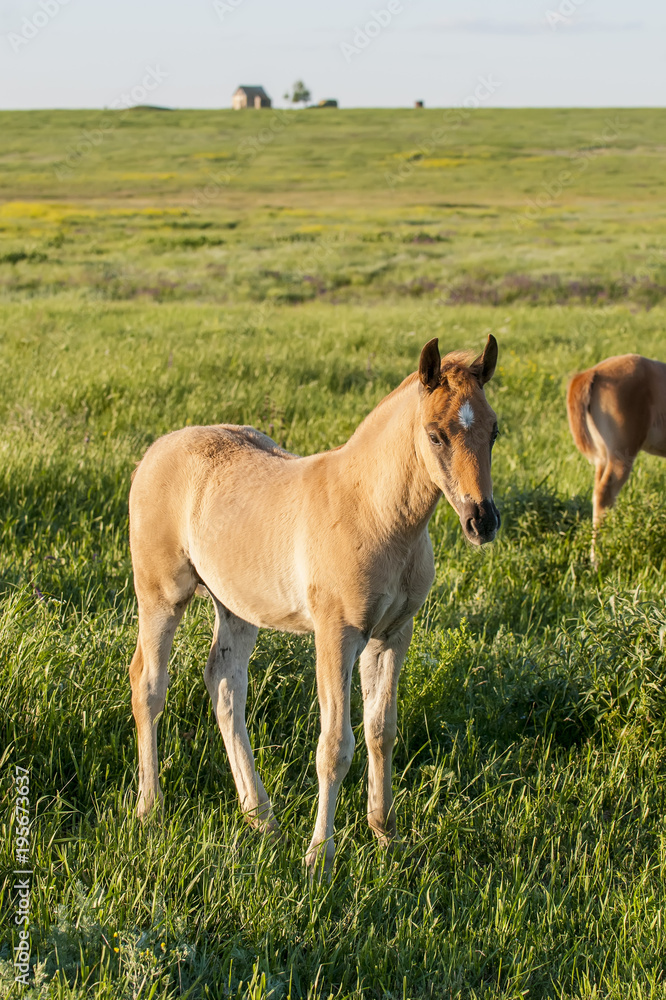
480	521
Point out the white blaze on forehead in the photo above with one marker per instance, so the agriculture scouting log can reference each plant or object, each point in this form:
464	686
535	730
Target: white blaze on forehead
466	415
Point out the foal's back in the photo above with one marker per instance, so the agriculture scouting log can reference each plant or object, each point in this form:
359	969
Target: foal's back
196	460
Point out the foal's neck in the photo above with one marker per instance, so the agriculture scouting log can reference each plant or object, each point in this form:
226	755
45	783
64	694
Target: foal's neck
385	460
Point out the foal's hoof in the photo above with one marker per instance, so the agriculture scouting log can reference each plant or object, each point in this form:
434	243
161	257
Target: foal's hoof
388	839
150	808
319	860
268	826
395	847
273	832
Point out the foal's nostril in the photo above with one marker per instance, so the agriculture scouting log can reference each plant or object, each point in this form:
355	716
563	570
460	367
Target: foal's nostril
472	520
480	521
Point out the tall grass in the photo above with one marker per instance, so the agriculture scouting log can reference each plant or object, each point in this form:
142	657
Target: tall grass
531	758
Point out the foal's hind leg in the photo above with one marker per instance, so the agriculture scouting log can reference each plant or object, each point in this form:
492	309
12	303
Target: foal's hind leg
380	667
160	610
226	680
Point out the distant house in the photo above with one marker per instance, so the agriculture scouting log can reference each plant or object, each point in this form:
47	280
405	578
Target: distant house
250	97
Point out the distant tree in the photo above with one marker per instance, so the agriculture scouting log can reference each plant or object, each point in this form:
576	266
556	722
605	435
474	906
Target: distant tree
300	94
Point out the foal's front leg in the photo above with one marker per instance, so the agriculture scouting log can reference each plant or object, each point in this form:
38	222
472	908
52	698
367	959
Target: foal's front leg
337	650
380	668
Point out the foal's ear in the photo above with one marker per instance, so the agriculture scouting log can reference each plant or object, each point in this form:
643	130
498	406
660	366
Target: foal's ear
484	366
430	365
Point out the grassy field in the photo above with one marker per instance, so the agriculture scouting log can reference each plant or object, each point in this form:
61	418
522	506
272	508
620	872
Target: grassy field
284	272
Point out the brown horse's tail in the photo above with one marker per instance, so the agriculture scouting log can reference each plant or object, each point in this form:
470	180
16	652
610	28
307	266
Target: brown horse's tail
578	407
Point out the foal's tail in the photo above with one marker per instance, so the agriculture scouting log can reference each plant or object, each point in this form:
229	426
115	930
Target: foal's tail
578	407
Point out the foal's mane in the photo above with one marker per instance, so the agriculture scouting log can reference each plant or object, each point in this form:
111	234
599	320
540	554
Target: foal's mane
455	363
458	359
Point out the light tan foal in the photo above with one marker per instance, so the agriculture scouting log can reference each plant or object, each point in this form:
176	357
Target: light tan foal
335	543
617	409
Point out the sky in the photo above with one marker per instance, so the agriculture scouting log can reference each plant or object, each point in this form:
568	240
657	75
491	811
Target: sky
194	53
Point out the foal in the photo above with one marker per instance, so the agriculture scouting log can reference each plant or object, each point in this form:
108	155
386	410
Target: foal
336	544
617	409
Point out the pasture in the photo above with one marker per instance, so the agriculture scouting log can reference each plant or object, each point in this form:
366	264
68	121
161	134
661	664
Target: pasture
199	267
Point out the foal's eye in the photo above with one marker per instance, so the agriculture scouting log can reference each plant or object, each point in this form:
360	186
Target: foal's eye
438	438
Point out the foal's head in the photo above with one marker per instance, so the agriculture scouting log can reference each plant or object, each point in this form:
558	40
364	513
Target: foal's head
457	433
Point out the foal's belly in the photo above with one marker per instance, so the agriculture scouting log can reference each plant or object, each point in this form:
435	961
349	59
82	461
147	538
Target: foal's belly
285	616
277	597
251	591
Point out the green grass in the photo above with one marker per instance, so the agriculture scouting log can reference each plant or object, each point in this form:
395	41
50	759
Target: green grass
360	206
531	760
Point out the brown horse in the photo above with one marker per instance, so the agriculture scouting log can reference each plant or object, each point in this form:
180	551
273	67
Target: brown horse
336	544
617	409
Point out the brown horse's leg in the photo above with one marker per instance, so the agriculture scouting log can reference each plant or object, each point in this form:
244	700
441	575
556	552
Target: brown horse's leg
609	479
597	514
158	620
380	668
337	650
226	680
